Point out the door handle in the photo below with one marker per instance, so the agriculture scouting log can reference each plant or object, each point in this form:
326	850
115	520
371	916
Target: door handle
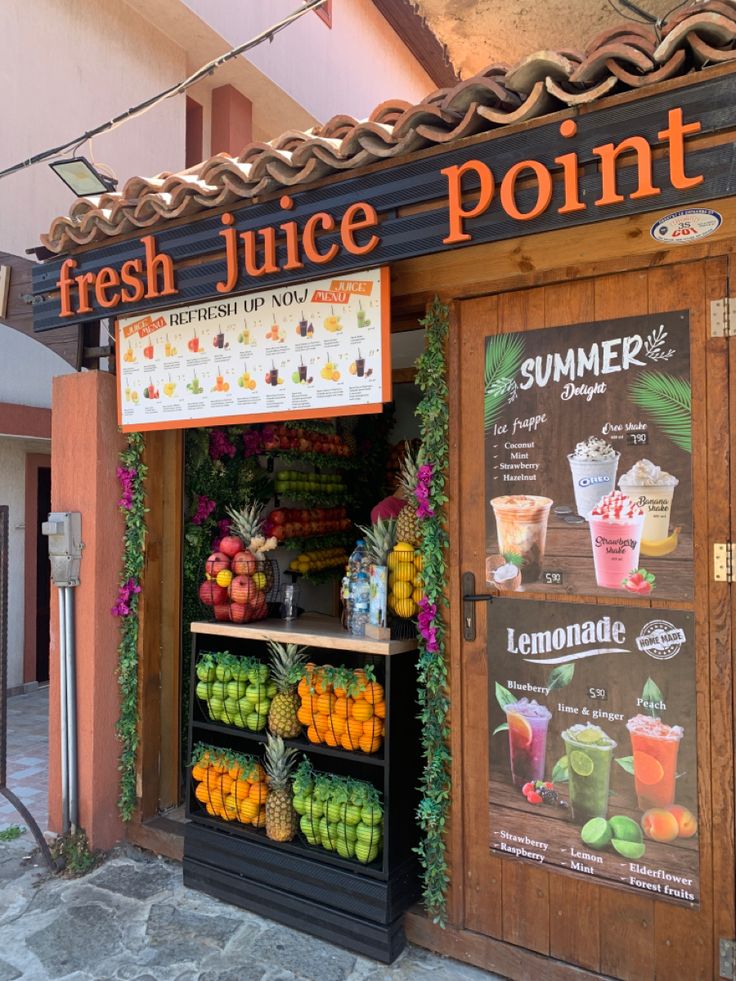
470	598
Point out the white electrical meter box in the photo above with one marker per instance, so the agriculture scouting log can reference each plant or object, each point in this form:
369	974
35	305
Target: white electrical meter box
64	530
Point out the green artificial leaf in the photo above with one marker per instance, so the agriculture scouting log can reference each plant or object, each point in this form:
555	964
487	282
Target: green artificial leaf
652	694
504	354
502	728
667	399
560	676
626	763
560	771
504	696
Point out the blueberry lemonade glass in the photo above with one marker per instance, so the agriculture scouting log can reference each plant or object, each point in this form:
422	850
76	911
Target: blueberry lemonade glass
527	722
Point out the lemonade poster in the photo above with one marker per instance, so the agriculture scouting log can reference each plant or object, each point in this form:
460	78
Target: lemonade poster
588	449
593	739
319	349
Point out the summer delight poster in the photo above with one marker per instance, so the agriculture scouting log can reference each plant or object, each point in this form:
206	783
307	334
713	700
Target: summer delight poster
593	743
317	349
588	444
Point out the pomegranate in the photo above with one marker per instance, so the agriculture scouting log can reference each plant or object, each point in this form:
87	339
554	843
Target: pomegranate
211	594
244	564
231	545
242	589
215	563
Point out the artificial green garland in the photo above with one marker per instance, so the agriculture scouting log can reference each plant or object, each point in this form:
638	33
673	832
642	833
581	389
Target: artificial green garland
434	703
131	473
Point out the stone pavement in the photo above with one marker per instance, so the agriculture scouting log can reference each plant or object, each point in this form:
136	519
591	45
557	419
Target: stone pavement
132	920
28	757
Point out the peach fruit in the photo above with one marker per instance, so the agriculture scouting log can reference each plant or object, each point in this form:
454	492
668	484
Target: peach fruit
659	824
686	821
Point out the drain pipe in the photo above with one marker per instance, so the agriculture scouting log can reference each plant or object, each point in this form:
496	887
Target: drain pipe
64	530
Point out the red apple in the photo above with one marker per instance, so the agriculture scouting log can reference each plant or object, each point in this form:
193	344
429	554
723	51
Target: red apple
222	611
216	562
231	545
242	589
278	533
244	564
278	517
239	613
211	594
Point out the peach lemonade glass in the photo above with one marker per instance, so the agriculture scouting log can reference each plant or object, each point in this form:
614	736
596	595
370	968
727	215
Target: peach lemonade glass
655	746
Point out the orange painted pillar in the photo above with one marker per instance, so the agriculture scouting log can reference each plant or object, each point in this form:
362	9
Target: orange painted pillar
86	444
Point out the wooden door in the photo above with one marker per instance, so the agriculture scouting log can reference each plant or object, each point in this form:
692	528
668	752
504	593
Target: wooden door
577	921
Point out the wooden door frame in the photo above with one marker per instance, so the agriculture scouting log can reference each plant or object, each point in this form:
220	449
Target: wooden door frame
543	255
34	463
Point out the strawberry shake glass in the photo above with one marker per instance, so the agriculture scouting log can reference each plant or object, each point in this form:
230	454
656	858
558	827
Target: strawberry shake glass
616	524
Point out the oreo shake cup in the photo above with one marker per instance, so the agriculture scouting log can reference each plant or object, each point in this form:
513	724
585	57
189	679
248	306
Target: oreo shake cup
593	467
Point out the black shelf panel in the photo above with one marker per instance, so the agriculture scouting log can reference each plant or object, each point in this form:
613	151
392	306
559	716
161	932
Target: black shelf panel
302	744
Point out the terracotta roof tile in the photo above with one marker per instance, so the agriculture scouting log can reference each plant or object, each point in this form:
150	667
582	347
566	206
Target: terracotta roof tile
627	56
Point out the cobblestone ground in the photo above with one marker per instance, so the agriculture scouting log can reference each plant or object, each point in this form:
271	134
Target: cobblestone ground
132	920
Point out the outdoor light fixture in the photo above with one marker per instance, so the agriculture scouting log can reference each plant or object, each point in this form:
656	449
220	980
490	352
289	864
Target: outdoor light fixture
82	177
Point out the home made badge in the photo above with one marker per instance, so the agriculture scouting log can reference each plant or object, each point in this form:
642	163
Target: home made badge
592	746
588	443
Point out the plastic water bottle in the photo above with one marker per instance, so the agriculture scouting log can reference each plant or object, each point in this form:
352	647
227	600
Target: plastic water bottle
360	604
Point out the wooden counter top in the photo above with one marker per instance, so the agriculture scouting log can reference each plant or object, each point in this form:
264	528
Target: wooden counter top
310	629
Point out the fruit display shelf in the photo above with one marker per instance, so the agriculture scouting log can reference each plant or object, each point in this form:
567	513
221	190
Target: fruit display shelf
357	906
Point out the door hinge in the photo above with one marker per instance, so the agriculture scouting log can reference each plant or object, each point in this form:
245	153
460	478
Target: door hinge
727	961
724	561
722	316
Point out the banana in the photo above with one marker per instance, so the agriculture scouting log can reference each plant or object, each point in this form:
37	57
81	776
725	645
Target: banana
662	547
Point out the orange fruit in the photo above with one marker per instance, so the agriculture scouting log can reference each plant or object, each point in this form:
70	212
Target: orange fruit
258	793
259	821
303	688
199	772
379	709
355	731
338	725
241	790
373	728
362	710
347	743
321	723
312	703
247	810
257	774
342	707
210	809
373	692
340	692
202	793
305	716
313	736
331	739
520	725
235	771
369	745
325	703
230	808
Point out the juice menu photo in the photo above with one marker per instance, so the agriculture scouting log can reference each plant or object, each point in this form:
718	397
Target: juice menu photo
593	743
588	444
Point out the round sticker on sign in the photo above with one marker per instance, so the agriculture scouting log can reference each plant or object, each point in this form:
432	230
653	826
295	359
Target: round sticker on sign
682	227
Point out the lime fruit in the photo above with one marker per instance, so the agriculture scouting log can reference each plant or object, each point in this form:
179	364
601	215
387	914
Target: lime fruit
596	833
590	735
625	829
580	762
629	849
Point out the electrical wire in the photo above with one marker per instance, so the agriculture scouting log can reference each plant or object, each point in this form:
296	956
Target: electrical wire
644	16
176	89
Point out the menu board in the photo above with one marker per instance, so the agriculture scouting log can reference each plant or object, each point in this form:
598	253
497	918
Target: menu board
593	765
320	349
588	448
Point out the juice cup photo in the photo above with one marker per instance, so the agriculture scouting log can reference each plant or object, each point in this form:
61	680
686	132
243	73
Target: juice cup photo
589	754
273	376
591	480
654	746
302	372
521	524
616	525
360	367
527	722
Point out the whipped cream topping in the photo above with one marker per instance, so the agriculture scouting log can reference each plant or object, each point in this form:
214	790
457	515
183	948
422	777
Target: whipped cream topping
616	508
594	448
644	473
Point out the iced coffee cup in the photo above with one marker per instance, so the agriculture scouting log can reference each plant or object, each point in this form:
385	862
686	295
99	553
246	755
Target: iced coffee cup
521	524
652	489
616	524
593	468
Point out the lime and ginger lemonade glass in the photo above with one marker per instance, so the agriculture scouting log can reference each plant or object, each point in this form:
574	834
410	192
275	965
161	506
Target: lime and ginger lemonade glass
527	722
616	524
521	524
654	745
652	489
593	467
589	754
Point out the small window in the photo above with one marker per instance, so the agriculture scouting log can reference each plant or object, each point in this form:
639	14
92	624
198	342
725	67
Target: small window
325	12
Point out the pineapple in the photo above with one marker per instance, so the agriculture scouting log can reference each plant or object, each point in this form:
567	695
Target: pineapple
248	525
281	818
285	661
407	529
379	540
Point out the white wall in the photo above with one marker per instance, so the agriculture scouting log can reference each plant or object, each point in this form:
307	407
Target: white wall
26	370
12	492
66	66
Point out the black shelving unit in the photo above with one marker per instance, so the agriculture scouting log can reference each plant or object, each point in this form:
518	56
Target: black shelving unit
356	906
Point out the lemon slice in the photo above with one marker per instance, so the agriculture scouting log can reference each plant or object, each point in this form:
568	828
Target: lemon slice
581	763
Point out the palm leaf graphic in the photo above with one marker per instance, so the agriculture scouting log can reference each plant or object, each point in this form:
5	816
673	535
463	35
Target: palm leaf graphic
504	353
667	399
